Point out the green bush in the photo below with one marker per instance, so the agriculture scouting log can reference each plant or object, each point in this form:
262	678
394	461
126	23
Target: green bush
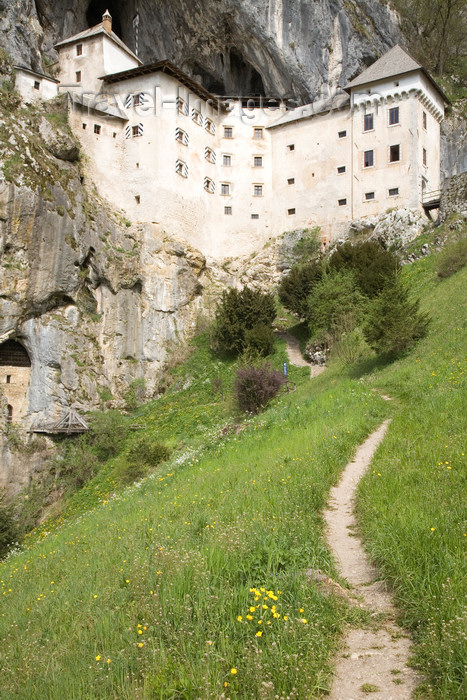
143	455
350	347
239	312
8	530
335	304
394	323
260	340
107	434
372	265
296	286
255	386
78	465
134	396
453	257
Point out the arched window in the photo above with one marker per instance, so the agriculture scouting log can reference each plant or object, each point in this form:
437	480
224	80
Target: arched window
13	354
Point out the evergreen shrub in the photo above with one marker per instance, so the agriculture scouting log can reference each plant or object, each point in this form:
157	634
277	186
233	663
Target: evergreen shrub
239	312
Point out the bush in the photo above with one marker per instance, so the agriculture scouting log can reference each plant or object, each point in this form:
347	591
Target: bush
8	530
394	323
108	432
79	463
134	396
351	347
143	455
296	286
255	386
335	304
239	312
372	265
260	340
453	257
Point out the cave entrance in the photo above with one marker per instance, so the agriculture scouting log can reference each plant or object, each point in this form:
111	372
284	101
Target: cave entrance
244	76
96	9
13	354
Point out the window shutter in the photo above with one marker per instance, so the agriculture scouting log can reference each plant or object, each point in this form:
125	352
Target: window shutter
128	102
128	132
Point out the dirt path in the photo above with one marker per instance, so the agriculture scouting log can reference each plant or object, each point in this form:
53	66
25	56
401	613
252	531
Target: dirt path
374	661
295	355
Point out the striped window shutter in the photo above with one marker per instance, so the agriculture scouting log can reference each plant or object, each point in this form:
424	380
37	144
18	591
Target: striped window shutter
128	102
128	132
140	129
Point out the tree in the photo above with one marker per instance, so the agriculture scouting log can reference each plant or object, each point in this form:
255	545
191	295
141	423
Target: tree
372	265
239	312
297	285
335	304
394	323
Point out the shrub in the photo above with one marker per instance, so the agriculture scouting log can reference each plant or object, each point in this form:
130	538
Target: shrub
143	455
260	340
394	322
372	265
107	434
8	530
335	304
350	347
453	257
296	286
78	465
237	313
135	394
255	386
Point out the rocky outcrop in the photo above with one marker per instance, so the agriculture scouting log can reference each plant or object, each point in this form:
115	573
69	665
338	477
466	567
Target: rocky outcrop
394	229
454	141
454	197
290	48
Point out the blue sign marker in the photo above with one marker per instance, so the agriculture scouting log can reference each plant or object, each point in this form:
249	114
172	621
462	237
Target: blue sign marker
285	369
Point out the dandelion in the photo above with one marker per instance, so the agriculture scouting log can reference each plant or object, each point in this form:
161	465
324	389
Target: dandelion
432	529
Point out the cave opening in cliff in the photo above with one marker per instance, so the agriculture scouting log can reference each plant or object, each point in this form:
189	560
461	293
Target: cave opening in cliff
96	9
13	354
246	79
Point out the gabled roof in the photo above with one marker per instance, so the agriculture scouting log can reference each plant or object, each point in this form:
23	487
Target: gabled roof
163	67
35	73
397	61
95	31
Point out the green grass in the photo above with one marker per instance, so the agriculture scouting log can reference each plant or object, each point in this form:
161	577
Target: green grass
413	516
178	554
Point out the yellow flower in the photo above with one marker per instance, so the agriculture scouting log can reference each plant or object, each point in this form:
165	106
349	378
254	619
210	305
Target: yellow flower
239	618
95	596
209	642
140	644
108	661
225	684
259	634
285	618
140	631
301	610
303	620
265	607
98	657
233	671
252	609
249	617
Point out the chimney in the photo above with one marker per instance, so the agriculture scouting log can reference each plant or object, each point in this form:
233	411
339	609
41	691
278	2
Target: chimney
107	22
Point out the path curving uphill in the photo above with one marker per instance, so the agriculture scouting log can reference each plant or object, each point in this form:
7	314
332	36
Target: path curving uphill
296	357
374	661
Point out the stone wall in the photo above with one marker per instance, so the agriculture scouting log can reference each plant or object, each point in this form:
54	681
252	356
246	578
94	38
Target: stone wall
453	196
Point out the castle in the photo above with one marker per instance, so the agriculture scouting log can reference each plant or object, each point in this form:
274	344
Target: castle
226	175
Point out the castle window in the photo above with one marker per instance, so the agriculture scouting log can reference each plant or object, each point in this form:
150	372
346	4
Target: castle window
369	196
133	131
291	181
84	125
226	160
424	120
368	159
394	116
182	106
368	122
342	202
291	212
97	129
79	49
342	134
394	153
9	413
258	133
209	155
137	199
8	379
424	157
255	216
209	185
228	132
197	117
78	76
37	85
181	136
341	169
181	168
210	126
228	211
138	99
257	190
258	161
225	189
291	147
393	192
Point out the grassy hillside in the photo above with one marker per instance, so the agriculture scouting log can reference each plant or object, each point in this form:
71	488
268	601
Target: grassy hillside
192	584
